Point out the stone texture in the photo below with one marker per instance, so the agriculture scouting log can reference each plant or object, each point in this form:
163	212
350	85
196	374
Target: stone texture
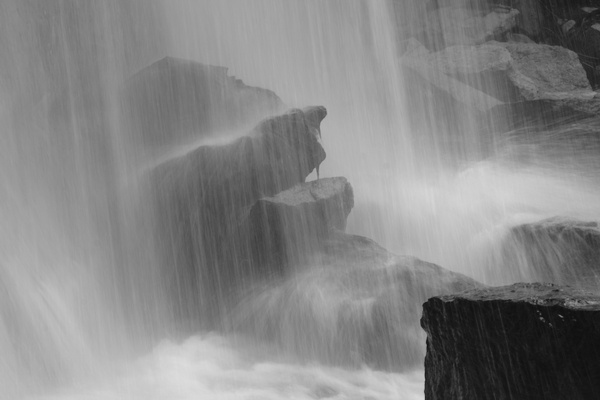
559	250
525	341
175	100
351	303
531	81
291	225
202	196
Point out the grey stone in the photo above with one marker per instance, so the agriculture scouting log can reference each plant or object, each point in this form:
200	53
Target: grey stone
558	250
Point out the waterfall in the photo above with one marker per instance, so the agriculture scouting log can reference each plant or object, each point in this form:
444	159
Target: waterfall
85	309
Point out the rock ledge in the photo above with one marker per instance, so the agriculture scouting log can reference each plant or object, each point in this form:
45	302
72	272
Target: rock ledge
525	341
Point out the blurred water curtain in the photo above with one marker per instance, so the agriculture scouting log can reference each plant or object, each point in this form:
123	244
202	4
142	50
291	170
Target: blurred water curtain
154	155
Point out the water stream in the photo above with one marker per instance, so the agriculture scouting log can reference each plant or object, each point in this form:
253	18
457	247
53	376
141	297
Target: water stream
82	311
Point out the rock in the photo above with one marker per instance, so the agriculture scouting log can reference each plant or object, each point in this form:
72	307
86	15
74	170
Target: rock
454	103
293	224
455	25
524	76
202	196
582	35
543	114
174	100
530	71
518	38
352	303
525	341
532	18
558	250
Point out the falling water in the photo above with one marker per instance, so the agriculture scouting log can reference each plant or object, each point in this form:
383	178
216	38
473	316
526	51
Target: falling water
83	313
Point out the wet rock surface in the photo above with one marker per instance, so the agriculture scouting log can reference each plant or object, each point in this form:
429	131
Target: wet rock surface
202	196
511	64
560	250
534	70
351	303
293	224
524	341
174	100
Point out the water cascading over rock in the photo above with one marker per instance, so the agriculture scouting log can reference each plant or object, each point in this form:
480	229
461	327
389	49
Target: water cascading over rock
203	196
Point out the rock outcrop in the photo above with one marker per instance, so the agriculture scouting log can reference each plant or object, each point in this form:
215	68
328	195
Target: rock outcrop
531	71
175	100
522	73
351	303
292	225
525	341
557	250
203	196
508	84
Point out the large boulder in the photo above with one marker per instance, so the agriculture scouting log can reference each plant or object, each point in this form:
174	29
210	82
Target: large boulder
530	71
525	341
202	197
351	303
530	80
291	225
558	250
175	100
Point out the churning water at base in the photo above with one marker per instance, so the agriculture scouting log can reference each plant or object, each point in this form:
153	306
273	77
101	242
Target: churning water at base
218	367
80	303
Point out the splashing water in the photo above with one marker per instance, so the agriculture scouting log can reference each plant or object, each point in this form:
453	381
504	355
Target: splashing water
80	288
215	367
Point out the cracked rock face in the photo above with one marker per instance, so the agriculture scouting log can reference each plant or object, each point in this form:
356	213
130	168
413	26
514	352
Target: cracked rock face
524	341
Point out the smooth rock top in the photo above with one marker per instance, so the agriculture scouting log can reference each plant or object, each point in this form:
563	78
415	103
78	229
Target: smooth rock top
538	294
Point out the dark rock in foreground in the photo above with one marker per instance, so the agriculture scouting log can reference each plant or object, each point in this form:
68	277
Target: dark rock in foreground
558	250
293	224
525	341
351	303
202	196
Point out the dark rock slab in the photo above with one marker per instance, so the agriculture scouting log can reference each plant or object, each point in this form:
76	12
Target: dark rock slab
175	100
525	341
202	197
293	224
351	303
559	250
